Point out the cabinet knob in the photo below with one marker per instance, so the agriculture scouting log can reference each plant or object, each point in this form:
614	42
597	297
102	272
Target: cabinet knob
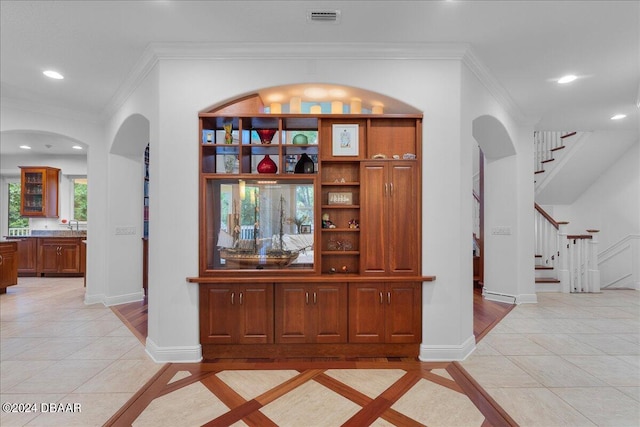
0	259
306	297
388	297
240	298
233	297
381	301
315	298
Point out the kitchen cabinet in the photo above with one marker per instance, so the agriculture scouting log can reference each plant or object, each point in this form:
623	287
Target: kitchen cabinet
27	256
391	243
385	312
311	313
59	255
8	265
236	314
39	191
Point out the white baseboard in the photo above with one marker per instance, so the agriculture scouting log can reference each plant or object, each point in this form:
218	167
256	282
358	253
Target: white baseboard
124	299
527	299
447	353
93	299
182	354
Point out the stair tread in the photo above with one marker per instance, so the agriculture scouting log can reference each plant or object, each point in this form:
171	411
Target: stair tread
547	161
543	267
546	280
557	148
540	171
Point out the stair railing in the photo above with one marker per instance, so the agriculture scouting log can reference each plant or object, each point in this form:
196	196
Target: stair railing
573	257
545	142
547	243
582	260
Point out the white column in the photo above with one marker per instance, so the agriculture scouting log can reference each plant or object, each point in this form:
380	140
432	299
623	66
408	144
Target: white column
593	272
563	269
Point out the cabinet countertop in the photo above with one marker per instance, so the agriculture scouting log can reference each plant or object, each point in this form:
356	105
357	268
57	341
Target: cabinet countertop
325	278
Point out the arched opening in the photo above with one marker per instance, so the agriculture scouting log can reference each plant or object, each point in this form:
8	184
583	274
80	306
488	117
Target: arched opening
126	186
497	200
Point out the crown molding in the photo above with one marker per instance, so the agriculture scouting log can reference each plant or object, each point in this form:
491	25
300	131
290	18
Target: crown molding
495	89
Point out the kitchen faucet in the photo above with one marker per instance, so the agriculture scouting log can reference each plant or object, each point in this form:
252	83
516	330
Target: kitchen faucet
71	221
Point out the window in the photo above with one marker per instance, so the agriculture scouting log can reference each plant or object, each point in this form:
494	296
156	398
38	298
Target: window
17	224
79	199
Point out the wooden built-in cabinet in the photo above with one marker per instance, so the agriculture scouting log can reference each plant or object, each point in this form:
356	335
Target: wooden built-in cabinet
355	289
59	256
315	313
27	256
385	312
236	314
8	265
39	191
391	244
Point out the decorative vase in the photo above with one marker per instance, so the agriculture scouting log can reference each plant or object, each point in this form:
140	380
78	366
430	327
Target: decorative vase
267	165
300	139
266	135
304	165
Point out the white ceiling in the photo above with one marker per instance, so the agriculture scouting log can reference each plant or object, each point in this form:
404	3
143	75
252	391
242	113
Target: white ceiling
524	45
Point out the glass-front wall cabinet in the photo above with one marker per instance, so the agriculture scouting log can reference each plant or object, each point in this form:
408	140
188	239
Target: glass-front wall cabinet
262	223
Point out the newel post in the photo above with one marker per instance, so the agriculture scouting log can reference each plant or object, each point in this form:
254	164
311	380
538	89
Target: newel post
563	255
593	270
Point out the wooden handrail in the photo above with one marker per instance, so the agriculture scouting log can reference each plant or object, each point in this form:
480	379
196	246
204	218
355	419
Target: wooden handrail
568	135
546	215
579	236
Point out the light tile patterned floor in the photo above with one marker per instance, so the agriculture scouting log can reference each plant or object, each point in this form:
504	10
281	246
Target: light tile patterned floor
570	360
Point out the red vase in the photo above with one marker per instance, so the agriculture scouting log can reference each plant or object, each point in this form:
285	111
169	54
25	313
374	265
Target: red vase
267	165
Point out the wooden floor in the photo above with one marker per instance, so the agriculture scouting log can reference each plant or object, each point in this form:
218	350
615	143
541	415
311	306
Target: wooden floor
487	314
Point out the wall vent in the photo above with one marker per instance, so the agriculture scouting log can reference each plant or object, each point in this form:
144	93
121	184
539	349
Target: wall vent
323	16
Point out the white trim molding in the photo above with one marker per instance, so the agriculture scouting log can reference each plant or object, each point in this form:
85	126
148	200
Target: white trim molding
447	353
508	298
174	354
124	299
619	264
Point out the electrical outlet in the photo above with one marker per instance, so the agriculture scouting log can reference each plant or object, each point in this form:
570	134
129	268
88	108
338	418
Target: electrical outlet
501	231
125	231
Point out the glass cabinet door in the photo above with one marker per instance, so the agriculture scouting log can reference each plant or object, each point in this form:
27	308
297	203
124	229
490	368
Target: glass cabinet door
257	224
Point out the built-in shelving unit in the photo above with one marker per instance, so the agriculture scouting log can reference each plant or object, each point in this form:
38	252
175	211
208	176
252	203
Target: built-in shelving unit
292	257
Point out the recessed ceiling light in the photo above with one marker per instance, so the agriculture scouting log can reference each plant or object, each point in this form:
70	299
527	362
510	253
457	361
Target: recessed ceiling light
315	92
618	117
25	147
77	147
567	79
53	74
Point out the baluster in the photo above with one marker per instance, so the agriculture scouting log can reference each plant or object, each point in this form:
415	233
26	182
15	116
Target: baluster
594	270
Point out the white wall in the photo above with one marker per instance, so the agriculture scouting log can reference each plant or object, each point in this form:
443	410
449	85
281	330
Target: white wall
611	205
508	197
189	86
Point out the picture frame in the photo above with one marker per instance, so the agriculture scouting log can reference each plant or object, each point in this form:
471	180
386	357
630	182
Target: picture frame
340	198
345	140
305	229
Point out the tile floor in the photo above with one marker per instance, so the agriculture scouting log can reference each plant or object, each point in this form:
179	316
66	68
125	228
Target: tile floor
570	360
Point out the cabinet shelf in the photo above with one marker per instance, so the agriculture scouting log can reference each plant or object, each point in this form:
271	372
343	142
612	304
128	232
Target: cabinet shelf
341	230
341	184
340	206
340	252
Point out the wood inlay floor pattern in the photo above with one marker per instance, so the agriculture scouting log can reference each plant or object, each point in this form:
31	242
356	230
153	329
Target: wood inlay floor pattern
371	409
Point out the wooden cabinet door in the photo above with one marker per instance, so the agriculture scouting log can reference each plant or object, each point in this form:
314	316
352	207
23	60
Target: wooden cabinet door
48	256
373	240
292	317
403	224
69	257
8	266
218	321
366	312
27	255
311	313
403	313
330	313
255	314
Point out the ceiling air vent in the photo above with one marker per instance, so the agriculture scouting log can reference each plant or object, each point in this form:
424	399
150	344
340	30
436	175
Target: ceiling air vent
323	16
